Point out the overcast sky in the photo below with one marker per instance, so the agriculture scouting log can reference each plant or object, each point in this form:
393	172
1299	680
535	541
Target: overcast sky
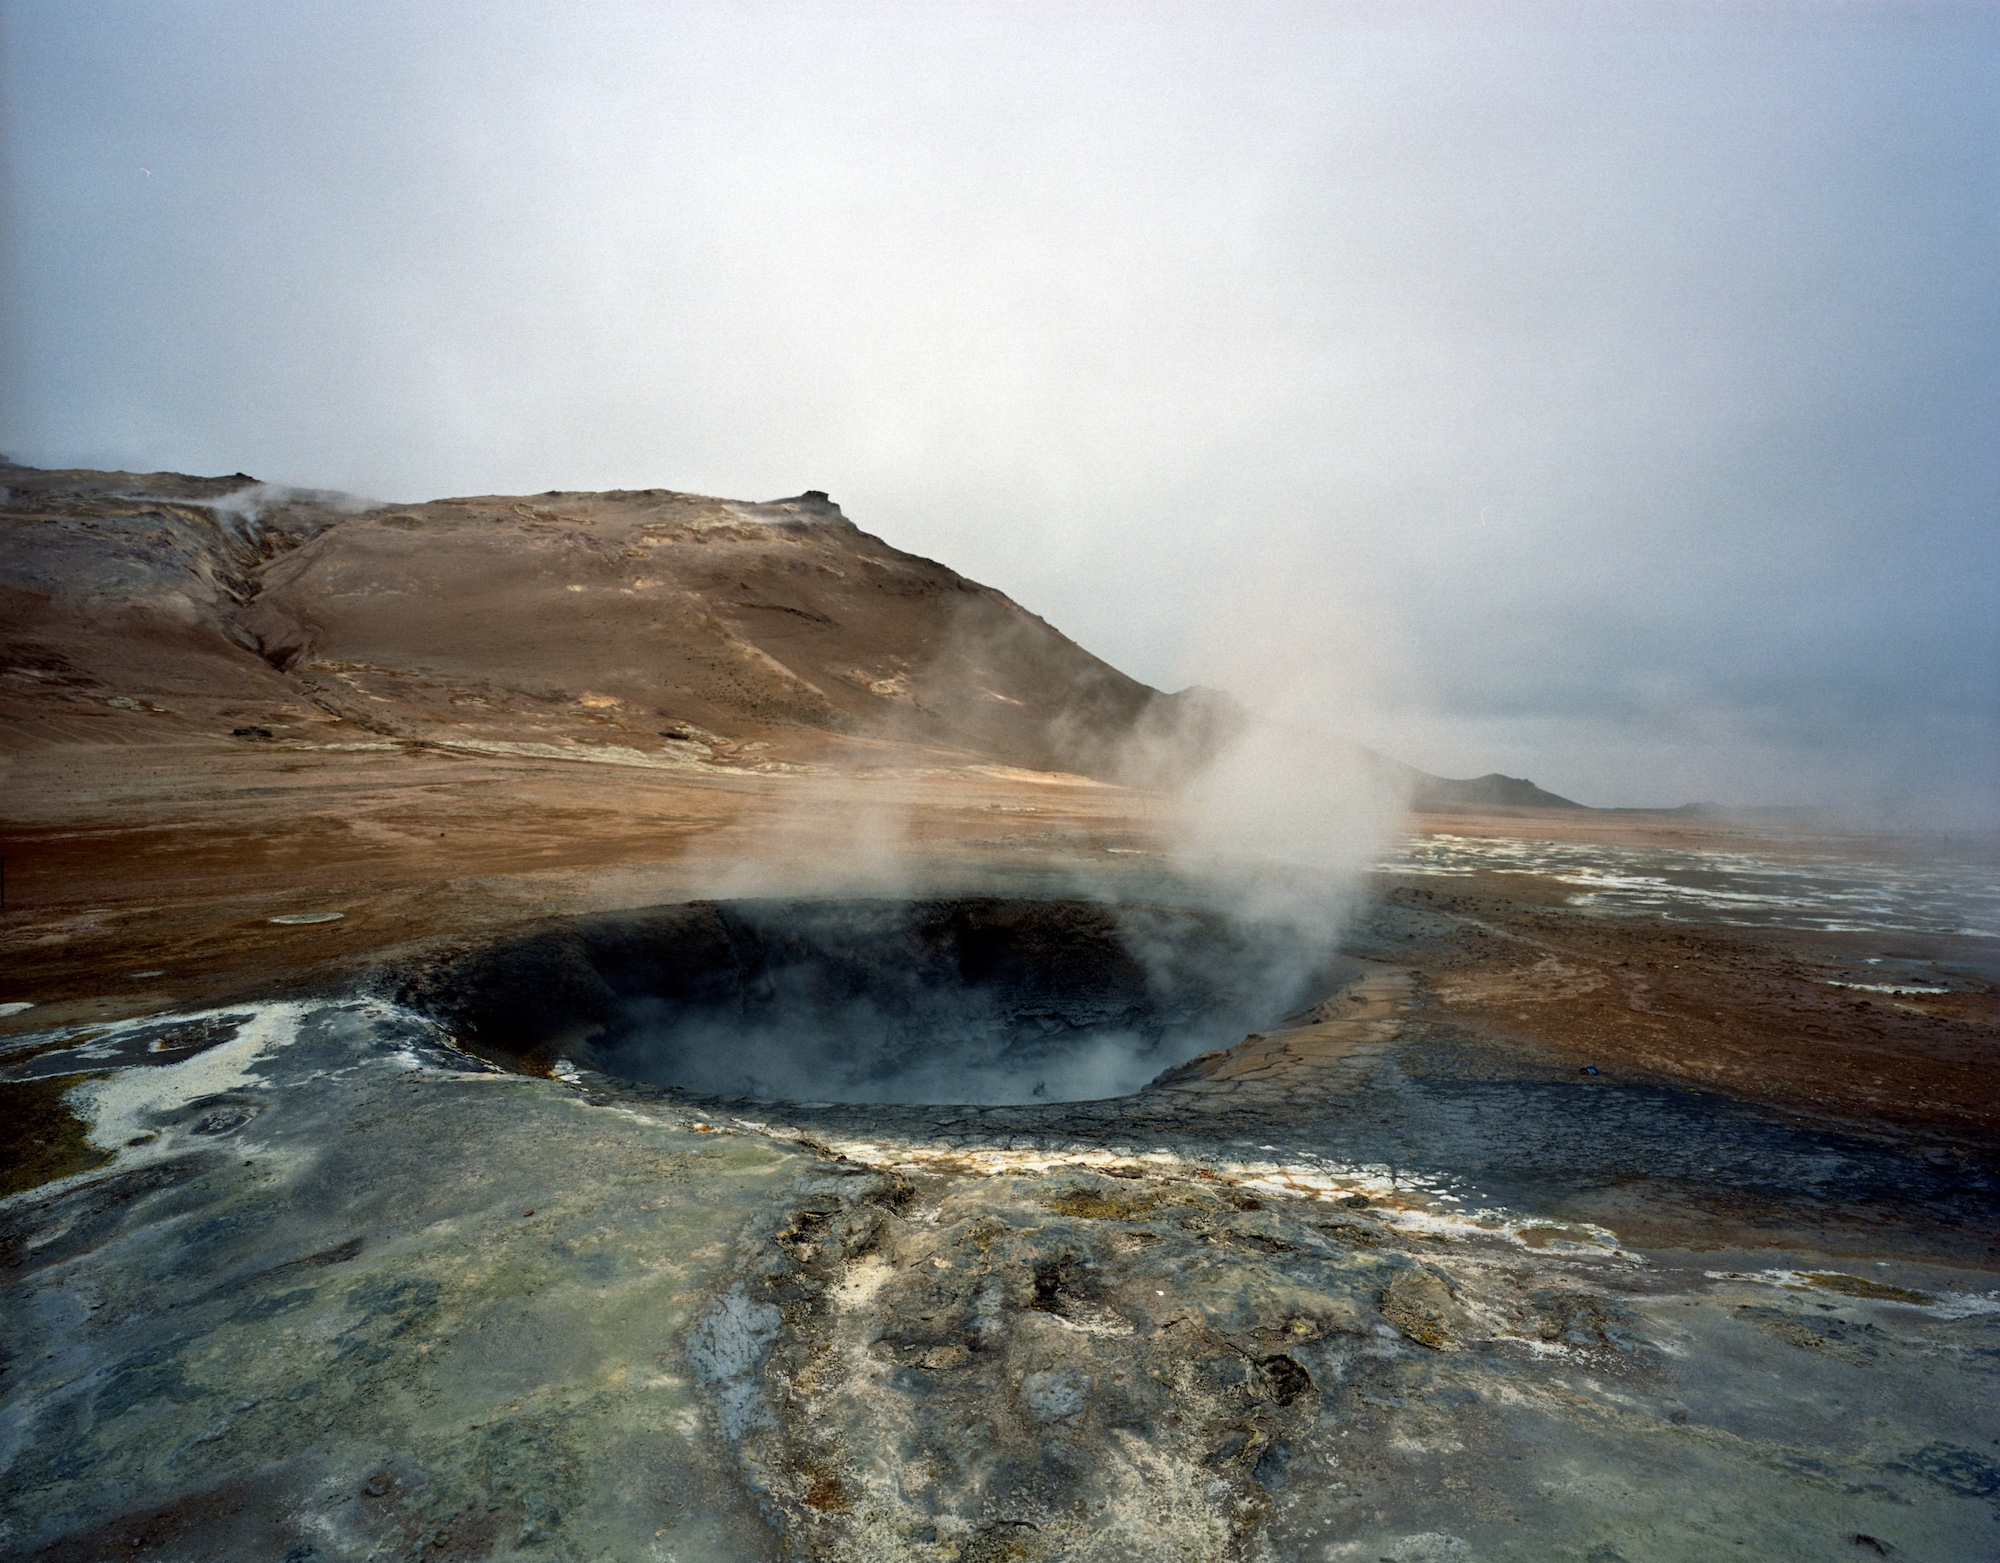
1607	394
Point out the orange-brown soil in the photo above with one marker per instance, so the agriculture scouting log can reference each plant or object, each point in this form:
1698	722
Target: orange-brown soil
445	720
221	703
137	878
1752	1013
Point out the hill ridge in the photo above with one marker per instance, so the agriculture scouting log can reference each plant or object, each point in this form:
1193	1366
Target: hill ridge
649	625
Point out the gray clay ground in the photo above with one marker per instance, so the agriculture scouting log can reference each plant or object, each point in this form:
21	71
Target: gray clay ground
346	1293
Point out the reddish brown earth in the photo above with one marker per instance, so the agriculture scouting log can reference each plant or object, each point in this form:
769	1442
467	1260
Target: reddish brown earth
147	608
175	861
448	719
1747	1012
220	703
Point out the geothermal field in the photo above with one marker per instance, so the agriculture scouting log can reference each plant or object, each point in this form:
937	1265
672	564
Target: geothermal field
635	1026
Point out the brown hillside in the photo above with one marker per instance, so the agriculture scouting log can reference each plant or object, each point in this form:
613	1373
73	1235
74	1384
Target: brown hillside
685	630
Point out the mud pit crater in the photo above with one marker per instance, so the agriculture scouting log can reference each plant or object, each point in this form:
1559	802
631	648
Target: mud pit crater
964	1000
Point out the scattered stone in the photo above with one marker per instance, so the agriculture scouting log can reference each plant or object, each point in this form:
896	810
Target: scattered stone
1089	1205
1419	1304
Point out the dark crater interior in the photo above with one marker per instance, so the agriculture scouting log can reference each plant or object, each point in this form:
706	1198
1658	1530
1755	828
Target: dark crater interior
965	1000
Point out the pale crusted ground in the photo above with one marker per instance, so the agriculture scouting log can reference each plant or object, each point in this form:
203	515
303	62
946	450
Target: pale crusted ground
343	1295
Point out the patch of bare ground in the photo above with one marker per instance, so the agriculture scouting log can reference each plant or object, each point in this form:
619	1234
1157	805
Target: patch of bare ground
1756	1014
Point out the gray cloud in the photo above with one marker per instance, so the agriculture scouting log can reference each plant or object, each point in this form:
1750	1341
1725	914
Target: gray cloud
1628	372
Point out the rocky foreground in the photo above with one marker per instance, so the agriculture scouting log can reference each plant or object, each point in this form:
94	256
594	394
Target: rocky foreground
343	1291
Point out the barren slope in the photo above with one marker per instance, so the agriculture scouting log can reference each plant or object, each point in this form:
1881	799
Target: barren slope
686	629
118	600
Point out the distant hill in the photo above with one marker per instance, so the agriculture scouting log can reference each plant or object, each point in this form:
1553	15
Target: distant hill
1439	795
670	627
676	626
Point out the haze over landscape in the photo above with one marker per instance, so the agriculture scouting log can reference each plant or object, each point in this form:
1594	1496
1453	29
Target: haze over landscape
968	782
1602	395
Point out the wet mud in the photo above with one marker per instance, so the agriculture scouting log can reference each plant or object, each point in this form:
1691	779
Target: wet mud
1384	1070
876	1001
426	1268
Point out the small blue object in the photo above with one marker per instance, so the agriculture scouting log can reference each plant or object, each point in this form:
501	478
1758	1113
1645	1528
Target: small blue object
1590	1069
